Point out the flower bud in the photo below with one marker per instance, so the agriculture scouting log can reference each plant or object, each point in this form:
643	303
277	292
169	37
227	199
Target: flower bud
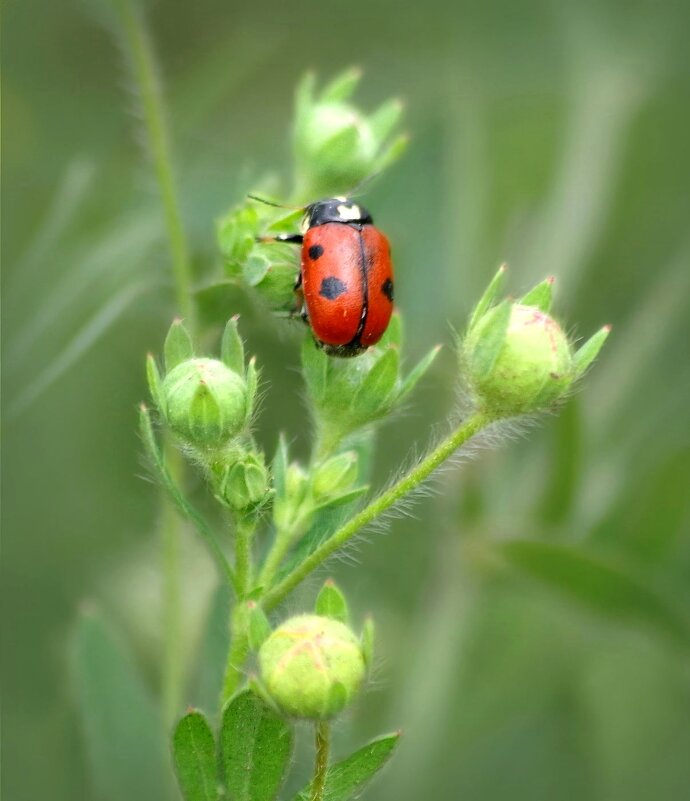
517	357
335	475
532	366
245	483
204	402
312	666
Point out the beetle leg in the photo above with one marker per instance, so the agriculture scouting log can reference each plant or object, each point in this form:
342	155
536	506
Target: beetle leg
293	239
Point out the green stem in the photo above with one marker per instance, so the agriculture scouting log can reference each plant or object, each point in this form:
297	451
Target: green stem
238	651
243	556
145	74
172	673
323	747
379	505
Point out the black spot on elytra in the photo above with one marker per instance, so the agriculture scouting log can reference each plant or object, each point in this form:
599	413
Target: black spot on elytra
315	252
387	289
332	288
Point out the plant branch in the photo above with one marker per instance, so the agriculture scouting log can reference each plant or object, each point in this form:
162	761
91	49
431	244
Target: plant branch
323	747
379	505
183	505
146	76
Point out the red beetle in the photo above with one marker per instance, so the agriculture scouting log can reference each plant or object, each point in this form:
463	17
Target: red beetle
346	278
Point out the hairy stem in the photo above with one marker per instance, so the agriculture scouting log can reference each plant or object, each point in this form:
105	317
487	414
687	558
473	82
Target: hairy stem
172	673
146	76
243	556
323	747
237	653
383	502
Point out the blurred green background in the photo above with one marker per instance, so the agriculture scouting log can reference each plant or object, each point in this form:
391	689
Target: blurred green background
551	135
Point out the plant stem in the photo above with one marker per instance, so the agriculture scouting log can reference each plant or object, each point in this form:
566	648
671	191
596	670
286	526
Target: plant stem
323	747
243	556
172	673
238	651
146	76
379	505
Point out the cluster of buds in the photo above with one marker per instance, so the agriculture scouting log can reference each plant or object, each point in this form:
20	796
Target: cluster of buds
313	665
350	394
208	405
516	357
336	145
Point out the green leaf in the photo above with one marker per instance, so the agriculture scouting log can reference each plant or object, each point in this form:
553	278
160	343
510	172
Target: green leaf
178	345
392	153
540	296
231	347
304	98
372	398
411	380
394	333
259	627
347	779
252	378
124	736
330	602
255	746
590	350
385	118
368	638
342	86
341	500
315	368
604	588
489	296
194	754
488	346
155	382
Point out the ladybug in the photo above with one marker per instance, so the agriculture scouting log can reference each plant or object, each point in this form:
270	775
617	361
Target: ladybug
346	276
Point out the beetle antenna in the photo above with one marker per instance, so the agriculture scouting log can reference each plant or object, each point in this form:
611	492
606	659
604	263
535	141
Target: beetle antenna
271	203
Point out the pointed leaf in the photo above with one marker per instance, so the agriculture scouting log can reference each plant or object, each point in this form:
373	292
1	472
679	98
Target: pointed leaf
376	389
259	627
341	500
394	333
331	602
385	118
178	345
231	347
194	754
368	638
155	382
488	346
604	588
392	153
342	86
540	296
411	380
590	350
489	296
255	747
252	378
315	368
347	779
124	736
304	98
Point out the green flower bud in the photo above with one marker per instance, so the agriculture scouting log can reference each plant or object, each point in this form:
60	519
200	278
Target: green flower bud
531	368
336	475
204	402
245	483
312	666
337	145
517	357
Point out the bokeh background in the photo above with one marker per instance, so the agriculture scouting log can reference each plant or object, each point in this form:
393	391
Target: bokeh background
551	135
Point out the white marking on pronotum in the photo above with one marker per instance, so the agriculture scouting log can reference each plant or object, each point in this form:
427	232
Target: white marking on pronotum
349	212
